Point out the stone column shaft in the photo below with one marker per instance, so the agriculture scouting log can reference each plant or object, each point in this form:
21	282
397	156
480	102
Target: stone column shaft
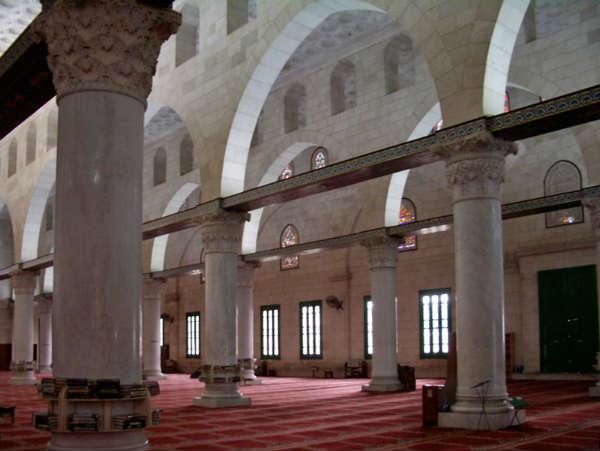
221	235
383	258
154	293
245	321
45	336
102	55
22	364
475	171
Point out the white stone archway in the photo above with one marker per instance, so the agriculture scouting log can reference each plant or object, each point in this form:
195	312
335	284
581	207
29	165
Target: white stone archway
499	54
35	211
250	234
398	179
159	247
262	79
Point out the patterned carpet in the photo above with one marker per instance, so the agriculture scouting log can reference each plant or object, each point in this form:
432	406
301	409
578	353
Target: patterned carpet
296	414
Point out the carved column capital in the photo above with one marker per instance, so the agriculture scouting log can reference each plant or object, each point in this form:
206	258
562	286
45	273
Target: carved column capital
593	206
23	282
108	45
383	251
475	166
222	231
154	289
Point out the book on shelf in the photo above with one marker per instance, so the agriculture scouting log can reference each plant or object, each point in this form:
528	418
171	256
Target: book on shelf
78	388
153	387
133	391
133	421
79	422
108	388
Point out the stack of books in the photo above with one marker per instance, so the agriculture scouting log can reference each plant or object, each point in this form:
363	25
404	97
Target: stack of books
53	422
152	387
108	388
133	391
59	383
155	417
78	388
40	420
79	422
133	421
47	387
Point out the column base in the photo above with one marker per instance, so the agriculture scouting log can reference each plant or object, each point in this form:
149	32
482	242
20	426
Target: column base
595	391
44	369
479	421
383	385
22	378
154	376
221	395
249	378
99	441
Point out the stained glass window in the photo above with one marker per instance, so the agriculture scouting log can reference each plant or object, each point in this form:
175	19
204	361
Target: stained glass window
319	158
435	323
311	330
269	327
287	172
408	213
368	315
289	237
562	177
192	334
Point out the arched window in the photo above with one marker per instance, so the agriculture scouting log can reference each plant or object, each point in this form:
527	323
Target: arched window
295	108
399	64
287	172
563	176
408	213
257	135
319	158
160	166
289	237
51	130
31	143
186	40
437	127
239	13
12	157
186	155
343	87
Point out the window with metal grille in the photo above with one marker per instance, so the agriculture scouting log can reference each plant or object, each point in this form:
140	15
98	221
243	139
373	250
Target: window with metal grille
192	334
435	323
269	332
311	340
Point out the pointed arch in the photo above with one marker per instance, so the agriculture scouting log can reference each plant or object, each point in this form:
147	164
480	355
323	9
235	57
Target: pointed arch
289	237
399	64
30	148
563	176
294	108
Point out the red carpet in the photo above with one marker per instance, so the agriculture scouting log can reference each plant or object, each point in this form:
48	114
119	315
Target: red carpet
332	414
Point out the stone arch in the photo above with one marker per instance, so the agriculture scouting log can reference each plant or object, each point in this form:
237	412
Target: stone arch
343	87
31	144
159	246
35	211
251	227
7	247
294	116
397	183
502	43
186	39
399	64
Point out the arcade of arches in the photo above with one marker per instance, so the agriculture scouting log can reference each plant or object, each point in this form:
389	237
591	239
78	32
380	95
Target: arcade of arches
225	96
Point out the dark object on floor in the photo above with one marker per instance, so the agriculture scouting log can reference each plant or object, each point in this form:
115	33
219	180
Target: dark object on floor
355	368
406	375
196	374
7	413
430	404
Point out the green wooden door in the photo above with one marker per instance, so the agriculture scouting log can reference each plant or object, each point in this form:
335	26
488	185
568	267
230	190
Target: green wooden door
568	319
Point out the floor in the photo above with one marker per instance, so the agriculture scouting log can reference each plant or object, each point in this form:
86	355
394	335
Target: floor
333	414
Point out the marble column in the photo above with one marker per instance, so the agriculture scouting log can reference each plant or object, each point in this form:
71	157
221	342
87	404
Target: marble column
102	55
45	335
221	235
154	293
593	207
22	364
245	321
383	259
475	172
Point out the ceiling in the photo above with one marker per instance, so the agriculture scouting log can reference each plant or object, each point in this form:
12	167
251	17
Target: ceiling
15	15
